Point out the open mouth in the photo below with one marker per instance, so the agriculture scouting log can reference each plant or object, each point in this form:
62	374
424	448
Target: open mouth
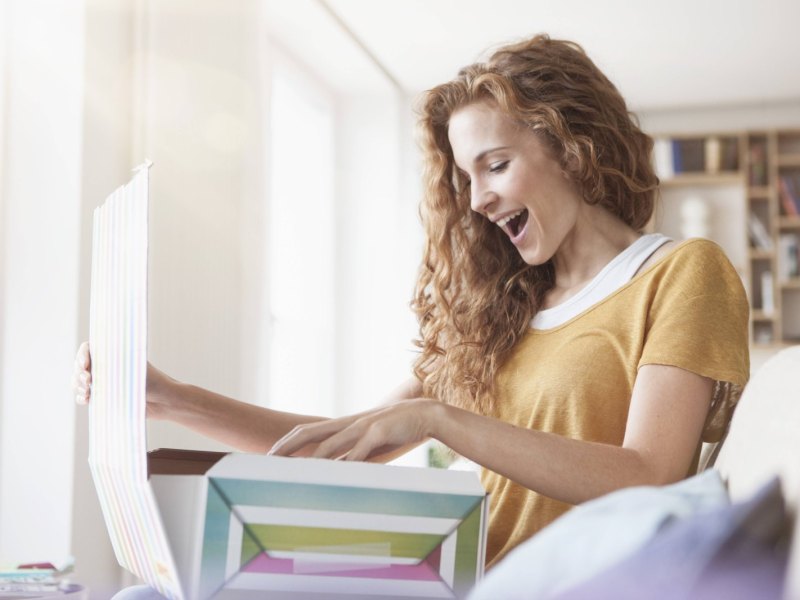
514	224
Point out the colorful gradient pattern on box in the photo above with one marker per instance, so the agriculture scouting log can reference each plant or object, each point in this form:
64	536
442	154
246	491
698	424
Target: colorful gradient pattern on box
118	343
311	540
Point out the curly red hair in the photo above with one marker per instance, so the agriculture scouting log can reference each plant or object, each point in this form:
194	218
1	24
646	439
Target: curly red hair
475	296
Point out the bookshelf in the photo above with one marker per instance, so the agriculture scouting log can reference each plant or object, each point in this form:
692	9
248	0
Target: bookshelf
748	186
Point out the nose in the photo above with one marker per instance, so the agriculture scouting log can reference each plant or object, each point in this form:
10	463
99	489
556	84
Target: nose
481	198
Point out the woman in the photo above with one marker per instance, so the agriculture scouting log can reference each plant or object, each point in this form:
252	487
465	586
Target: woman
561	349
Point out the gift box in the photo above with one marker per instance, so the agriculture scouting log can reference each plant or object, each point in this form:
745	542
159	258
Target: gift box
311	528
197	525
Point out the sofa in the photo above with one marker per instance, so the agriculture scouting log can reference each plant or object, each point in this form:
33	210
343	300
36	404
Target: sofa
764	441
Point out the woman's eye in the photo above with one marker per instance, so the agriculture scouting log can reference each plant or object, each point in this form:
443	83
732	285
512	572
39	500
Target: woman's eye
498	167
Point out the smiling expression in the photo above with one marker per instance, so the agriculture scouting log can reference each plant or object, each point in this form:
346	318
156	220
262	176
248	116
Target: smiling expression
514	180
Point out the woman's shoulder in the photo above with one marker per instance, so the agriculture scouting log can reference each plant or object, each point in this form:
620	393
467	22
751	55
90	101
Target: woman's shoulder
698	251
660	252
696	266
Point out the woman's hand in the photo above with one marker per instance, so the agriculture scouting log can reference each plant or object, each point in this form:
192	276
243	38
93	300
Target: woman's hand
82	374
158	384
365	435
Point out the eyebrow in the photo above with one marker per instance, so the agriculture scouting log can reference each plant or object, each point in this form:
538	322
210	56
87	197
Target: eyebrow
483	154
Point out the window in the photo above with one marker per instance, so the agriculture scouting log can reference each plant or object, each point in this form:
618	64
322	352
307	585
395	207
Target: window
300	243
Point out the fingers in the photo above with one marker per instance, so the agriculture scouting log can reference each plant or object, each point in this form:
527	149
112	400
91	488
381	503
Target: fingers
357	441
81	387
339	445
83	357
81	375
366	445
360	436
301	436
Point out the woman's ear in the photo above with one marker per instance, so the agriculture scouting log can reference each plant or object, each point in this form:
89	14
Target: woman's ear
572	166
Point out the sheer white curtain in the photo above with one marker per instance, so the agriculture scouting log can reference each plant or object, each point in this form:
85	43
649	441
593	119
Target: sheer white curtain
42	60
300	234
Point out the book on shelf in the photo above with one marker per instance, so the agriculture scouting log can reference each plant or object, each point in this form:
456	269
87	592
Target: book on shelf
721	154
763	335
675	156
789	192
662	156
788	256
759	236
730	154
757	164
767	293
713	154
689	156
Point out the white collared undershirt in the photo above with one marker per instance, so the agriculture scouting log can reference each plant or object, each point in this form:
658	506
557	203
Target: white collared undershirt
614	275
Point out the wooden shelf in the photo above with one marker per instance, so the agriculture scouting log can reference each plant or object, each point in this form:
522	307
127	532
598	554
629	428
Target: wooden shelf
684	179
789	160
761	192
761	316
760	254
774	345
764	157
785	222
791	284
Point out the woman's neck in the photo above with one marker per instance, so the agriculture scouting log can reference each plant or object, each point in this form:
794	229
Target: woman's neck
598	237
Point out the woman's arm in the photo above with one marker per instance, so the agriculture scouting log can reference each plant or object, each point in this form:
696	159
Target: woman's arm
665	421
667	412
244	426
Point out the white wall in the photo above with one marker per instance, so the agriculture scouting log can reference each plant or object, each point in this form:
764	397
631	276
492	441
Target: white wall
41	194
712	119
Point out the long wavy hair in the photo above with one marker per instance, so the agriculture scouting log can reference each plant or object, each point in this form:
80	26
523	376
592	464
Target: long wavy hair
475	296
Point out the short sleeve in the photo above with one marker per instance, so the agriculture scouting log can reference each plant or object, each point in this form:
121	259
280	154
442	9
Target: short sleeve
698	321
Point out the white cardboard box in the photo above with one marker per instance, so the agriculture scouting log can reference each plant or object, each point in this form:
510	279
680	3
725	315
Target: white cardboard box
311	528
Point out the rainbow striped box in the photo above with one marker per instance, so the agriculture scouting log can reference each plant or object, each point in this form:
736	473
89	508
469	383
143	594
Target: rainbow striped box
263	526
198	525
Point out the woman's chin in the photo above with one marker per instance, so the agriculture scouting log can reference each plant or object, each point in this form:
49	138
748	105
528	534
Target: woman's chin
533	256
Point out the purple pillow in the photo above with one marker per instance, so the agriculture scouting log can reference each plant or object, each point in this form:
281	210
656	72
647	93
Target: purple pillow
737	552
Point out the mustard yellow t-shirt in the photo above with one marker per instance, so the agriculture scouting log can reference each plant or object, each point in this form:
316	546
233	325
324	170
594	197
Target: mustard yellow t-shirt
688	310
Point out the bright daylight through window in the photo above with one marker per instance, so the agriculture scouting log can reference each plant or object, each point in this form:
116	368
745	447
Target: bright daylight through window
301	245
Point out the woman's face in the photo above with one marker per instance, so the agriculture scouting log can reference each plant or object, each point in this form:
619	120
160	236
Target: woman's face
514	181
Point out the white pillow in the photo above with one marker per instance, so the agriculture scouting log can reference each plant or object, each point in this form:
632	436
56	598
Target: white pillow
596	535
763	439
